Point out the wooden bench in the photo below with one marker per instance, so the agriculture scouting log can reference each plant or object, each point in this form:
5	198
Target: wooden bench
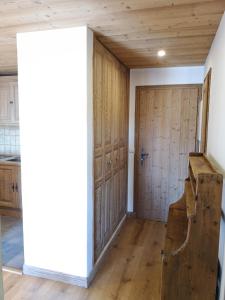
190	255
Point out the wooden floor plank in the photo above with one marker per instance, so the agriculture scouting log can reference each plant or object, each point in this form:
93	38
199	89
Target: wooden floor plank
132	270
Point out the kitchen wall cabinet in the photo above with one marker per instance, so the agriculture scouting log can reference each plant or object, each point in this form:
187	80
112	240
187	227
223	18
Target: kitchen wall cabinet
10	190
110	144
9	111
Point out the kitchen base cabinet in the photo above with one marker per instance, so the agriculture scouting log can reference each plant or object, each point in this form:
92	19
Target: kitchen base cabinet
10	190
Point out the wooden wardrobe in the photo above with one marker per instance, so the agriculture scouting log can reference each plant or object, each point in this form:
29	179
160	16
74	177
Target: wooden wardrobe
111	82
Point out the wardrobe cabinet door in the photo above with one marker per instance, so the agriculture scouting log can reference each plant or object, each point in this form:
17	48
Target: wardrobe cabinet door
108	164
107	98
115	201
108	194
116	160
98	105
116	107
98	169
98	208
123	191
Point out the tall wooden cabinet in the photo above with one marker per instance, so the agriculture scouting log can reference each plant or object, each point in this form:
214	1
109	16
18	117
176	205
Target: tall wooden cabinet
110	144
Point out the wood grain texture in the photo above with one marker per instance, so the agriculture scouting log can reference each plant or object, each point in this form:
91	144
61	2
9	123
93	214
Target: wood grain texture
132	270
205	112
133	30
110	144
190	259
9	105
10	189
165	130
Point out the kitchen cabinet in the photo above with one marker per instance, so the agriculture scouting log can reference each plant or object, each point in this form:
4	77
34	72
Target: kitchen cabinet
110	144
10	189
9	110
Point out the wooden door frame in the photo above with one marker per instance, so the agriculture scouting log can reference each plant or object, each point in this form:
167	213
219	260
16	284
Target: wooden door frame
137	120
205	113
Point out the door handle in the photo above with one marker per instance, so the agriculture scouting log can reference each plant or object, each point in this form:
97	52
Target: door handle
144	155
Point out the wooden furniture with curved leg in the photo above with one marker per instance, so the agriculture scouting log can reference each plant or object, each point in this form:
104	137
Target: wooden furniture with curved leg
190	256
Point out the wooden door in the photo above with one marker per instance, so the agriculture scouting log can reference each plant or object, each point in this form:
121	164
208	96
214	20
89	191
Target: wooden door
166	118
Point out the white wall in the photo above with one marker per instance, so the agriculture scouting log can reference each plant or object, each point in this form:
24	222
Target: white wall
154	76
55	94
216	126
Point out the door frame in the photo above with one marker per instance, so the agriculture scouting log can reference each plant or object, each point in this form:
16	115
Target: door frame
205	113
137	120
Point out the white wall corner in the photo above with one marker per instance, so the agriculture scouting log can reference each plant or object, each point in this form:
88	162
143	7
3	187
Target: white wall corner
90	159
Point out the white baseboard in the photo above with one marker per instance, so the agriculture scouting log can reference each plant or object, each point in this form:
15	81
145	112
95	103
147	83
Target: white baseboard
71	279
56	276
104	252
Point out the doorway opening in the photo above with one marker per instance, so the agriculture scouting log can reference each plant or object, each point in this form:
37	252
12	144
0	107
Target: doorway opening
10	177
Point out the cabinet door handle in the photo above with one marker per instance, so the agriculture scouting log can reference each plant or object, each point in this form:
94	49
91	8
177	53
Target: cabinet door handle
13	187
16	187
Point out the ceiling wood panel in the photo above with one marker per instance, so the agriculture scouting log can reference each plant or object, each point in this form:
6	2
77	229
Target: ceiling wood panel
133	30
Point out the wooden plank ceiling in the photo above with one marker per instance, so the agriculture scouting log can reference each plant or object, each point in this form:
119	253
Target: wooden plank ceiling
134	30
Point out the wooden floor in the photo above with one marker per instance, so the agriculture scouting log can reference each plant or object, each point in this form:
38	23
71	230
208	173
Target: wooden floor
12	242
131	271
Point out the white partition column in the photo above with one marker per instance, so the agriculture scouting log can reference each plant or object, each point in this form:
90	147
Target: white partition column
55	96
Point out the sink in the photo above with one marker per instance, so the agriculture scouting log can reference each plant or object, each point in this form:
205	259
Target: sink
5	156
14	159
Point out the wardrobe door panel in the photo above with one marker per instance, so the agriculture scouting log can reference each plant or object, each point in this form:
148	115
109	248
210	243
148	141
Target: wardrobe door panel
116	106
98	104
98	169
108	164
98	207
107	90
116	159
115	201
108	194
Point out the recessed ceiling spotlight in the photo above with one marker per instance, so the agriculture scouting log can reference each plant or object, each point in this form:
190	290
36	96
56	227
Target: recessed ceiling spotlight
161	53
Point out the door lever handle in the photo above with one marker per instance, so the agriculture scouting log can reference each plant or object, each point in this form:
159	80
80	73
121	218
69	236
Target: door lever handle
144	155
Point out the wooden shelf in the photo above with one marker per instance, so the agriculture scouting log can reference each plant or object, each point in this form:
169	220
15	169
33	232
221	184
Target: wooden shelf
191	246
190	199
176	226
200	165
